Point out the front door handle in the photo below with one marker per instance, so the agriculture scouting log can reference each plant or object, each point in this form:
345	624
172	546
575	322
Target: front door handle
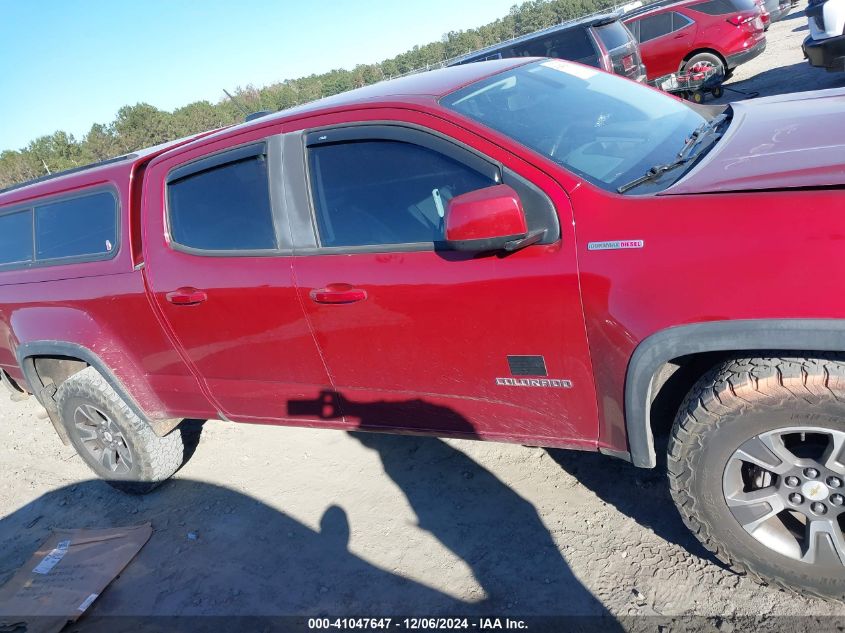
186	297
338	293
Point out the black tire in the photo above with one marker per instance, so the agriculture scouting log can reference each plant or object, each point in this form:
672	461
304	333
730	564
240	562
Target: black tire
734	406
697	97
718	91
705	58
106	432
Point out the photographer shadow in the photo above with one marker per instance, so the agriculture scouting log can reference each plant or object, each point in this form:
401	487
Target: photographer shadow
471	512
229	557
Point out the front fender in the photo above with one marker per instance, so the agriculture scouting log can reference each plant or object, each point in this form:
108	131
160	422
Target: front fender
747	335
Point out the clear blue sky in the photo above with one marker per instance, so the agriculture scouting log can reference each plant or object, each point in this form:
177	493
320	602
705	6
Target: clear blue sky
65	65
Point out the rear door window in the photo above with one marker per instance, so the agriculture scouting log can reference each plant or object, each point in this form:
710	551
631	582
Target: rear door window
679	21
77	227
654	26
222	203
16	237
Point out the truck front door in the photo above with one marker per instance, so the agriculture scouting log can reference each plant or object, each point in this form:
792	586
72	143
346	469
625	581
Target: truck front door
421	338
219	267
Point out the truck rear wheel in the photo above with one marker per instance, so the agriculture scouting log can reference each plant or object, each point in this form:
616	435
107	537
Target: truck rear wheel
117	445
757	469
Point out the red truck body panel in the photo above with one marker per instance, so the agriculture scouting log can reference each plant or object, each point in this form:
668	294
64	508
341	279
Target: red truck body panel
768	147
243	338
241	341
102	306
417	337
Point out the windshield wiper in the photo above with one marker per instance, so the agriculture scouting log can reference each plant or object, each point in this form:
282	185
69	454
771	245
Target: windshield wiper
686	155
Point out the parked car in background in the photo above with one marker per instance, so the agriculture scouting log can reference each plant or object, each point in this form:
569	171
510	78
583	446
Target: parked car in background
676	36
602	41
774	10
825	45
777	9
764	14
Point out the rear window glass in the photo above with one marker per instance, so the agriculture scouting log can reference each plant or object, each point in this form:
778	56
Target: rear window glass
225	208
76	227
613	35
722	7
16	237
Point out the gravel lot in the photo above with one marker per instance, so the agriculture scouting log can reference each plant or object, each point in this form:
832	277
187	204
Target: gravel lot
782	67
291	521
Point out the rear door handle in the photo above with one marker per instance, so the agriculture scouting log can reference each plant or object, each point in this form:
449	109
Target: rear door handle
186	297
338	293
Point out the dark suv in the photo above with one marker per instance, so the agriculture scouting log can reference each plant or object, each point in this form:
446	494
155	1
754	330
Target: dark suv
602	41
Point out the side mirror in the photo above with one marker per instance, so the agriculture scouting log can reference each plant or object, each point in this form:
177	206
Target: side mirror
488	219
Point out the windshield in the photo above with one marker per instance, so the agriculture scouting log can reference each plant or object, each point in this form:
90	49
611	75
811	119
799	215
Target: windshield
602	127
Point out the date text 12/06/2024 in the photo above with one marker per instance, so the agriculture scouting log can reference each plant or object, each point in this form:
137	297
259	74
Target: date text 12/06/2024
436	624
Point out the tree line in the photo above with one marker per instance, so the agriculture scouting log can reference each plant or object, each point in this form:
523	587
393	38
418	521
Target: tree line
143	125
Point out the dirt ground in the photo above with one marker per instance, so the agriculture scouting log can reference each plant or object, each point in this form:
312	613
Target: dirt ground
265	520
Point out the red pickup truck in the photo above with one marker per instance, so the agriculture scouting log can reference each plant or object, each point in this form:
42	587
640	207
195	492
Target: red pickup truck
527	251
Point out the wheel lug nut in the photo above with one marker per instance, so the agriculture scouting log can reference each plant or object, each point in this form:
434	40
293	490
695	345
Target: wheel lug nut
796	499
837	499
834	482
792	481
818	507
812	473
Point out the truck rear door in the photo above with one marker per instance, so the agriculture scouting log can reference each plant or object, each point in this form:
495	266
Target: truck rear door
219	268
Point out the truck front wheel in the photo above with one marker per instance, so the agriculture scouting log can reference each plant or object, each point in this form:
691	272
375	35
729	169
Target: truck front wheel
757	469
116	444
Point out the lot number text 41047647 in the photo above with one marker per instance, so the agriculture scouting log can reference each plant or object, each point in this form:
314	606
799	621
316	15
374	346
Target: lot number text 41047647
413	624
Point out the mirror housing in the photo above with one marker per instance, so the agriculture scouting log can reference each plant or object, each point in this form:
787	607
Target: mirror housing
488	219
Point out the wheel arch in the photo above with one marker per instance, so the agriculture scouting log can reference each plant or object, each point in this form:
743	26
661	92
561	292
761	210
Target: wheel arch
48	363
708	342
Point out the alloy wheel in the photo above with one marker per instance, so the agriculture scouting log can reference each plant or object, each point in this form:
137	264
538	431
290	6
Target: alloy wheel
102	439
786	488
